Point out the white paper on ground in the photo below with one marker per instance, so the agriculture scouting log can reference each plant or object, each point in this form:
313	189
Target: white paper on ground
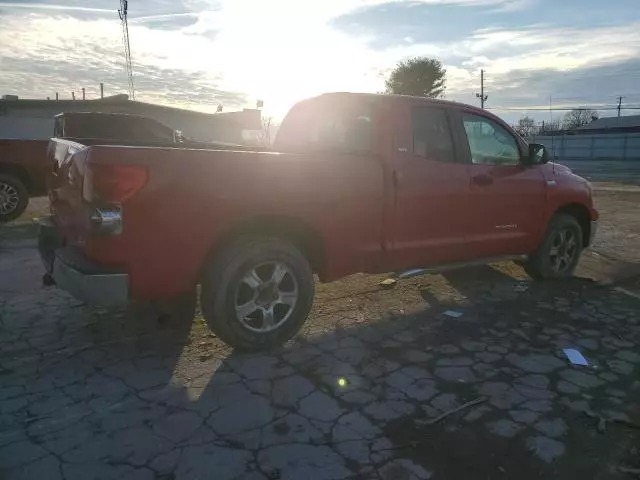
575	356
452	313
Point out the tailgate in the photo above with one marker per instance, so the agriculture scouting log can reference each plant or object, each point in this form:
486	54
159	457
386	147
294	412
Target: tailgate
65	186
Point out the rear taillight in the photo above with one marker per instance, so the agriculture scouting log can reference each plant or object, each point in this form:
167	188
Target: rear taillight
113	183
105	189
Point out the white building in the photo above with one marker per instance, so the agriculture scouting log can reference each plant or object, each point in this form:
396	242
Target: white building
33	119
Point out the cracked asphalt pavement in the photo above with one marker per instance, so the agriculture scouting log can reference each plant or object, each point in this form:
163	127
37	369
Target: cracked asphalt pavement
380	384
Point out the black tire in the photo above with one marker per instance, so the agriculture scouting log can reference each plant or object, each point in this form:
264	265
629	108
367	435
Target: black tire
543	264
10	185
224	276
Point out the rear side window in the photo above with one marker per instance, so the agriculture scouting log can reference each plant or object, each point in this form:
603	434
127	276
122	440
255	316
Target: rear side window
330	127
432	135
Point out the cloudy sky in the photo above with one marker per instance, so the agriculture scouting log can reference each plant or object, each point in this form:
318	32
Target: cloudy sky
198	53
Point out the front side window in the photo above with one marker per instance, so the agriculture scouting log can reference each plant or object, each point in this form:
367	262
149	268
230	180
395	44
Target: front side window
490	143
431	135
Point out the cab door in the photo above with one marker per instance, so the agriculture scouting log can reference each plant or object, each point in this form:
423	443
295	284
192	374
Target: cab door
507	198
430	188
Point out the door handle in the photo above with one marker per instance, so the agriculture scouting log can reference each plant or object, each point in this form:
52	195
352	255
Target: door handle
483	179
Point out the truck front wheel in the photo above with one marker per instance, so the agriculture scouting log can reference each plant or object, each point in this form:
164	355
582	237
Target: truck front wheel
14	198
257	293
559	253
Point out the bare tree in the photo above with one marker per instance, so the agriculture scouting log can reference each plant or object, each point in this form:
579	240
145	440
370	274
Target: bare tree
550	126
264	138
526	127
579	117
419	76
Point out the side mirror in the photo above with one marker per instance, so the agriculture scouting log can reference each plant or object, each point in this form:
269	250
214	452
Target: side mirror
537	155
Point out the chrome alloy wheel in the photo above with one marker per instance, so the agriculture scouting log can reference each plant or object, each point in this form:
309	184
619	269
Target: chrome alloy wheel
266	297
9	198
564	248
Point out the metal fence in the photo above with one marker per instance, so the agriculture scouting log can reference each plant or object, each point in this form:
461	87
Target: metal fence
600	157
591	147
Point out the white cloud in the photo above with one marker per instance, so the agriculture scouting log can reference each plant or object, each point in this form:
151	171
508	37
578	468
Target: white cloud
238	51
51	6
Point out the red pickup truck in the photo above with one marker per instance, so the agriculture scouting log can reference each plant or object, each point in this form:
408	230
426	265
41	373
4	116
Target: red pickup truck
356	183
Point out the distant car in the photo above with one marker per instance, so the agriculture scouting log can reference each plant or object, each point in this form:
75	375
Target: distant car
357	183
24	164
23	169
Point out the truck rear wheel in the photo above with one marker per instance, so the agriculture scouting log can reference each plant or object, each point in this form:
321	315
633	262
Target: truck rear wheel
14	198
257	293
559	253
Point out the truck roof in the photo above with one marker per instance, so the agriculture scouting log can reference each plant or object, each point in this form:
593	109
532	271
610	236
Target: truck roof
387	97
108	114
395	97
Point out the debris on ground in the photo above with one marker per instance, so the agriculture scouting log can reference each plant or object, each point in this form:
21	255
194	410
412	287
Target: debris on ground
464	406
575	356
388	283
452	313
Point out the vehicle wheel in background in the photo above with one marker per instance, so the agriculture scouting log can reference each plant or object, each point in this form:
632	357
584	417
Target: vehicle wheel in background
559	253
14	198
257	293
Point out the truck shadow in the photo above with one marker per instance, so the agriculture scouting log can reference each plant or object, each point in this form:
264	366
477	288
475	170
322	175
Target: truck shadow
485	282
345	401
363	395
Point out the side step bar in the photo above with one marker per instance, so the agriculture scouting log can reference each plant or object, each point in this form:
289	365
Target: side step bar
414	272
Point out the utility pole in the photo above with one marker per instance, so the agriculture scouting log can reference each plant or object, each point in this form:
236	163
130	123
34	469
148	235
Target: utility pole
619	104
122	12
481	95
101	90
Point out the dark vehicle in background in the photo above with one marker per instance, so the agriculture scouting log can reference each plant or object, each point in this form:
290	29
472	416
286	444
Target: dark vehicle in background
23	170
24	165
113	126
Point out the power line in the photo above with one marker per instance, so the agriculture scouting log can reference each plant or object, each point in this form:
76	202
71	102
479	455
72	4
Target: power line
561	109
572	76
